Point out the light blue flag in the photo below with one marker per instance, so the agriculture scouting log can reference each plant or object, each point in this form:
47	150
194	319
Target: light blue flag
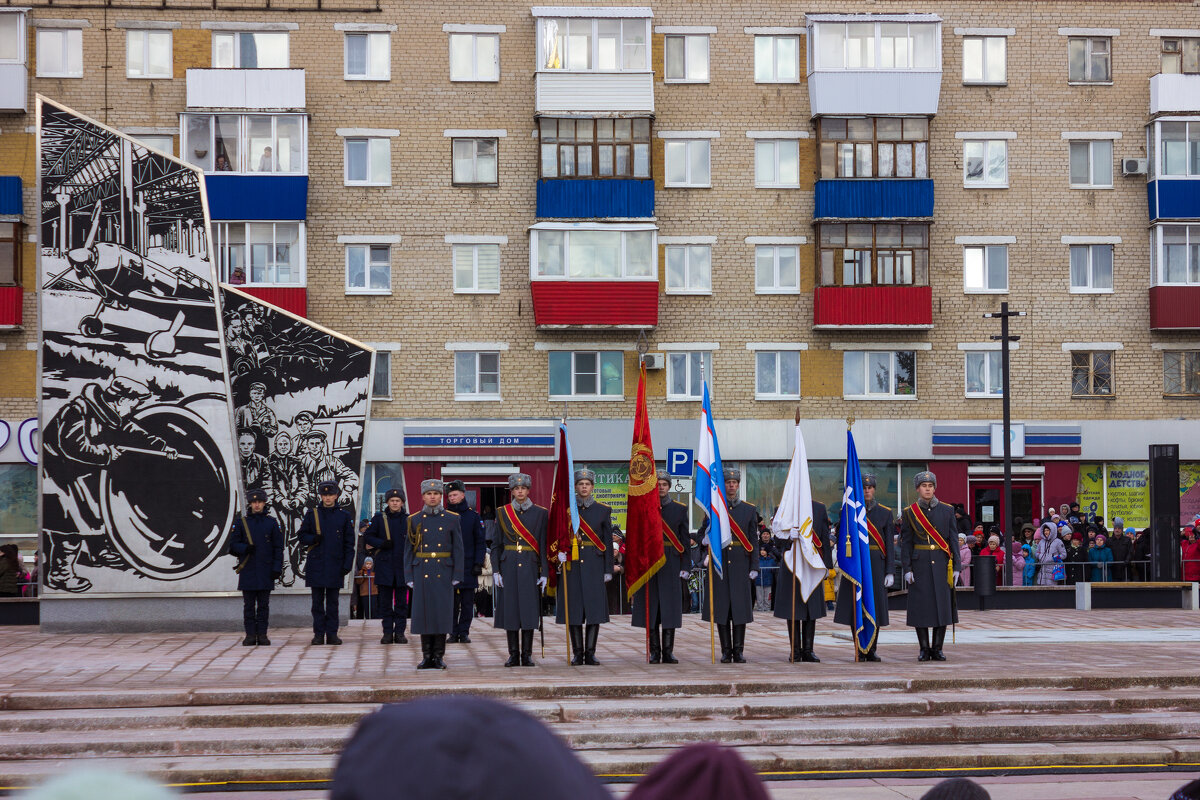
710	486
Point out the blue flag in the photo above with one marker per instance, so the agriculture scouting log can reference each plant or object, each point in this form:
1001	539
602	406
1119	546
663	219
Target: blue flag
710	486
854	551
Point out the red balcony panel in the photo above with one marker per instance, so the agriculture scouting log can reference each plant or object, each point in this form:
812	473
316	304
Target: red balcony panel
595	304
1175	307
289	298
10	305
873	306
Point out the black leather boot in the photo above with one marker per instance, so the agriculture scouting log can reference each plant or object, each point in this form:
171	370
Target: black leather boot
250	640
576	632
514	655
592	633
668	646
939	638
426	653
808	634
527	648
726	637
655	646
739	642
439	650
795	642
923	640
870	654
318	638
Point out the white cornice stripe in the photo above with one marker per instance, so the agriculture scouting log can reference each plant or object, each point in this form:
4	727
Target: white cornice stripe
1070	346
872	17
685	29
1091	134
985	135
689	134
146	25
1089	31
880	346
985	240
378	238
777	134
1175	345
607	12
390	347
150	131
388	133
364	27
454	27
1091	240
776	346
687	240
774	31
480	346
978	346
688	346
467	238
1186	32
776	240
558	346
478	133
985	31
250	26
60	23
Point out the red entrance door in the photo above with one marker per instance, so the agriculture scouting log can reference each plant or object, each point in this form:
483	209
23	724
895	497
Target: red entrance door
987	502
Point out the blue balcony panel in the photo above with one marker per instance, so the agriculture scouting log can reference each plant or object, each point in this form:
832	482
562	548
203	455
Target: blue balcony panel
275	197
886	198
10	195
586	199
1173	199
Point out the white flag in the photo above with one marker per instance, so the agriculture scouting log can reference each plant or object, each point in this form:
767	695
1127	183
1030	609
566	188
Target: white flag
793	522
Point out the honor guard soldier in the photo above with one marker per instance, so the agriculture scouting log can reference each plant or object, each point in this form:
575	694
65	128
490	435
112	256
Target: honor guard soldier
732	600
257	543
881	528
474	550
386	531
582	592
519	569
931	566
802	615
328	534
665	587
433	566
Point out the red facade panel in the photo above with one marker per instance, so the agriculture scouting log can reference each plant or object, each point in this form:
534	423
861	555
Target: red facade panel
873	305
11	298
595	304
1174	307
289	298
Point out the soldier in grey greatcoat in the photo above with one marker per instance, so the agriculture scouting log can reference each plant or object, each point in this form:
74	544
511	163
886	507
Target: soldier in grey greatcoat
803	632
732	598
930	572
433	566
583	591
883	563
519	569
665	587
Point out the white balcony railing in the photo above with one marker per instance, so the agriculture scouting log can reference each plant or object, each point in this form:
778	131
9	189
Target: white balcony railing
257	89
1174	92
14	85
873	92
594	92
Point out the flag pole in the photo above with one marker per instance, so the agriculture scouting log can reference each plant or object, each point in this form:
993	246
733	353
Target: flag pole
712	642
792	629
562	582
849	536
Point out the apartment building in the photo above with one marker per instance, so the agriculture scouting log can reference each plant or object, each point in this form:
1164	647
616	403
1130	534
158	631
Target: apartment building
812	207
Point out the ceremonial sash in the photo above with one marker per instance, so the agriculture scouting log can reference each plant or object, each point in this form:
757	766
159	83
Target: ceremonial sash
518	527
592	536
741	535
250	541
922	521
671	537
876	536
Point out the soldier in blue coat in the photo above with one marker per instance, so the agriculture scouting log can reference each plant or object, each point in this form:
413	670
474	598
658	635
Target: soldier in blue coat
328	534
386	535
474	540
257	543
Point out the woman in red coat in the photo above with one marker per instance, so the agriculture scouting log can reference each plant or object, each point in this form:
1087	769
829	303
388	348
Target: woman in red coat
1191	554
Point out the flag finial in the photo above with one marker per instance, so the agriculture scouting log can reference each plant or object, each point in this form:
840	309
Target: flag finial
797	415
849	422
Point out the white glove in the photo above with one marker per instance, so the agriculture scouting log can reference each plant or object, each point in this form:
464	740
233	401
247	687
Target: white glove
498	579
956	577
684	574
410	584
562	557
607	578
454	583
705	564
909	578
541	583
753	574
888	580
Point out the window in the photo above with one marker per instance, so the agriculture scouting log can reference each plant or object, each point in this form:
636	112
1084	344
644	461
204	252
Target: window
776	59
686	58
587	374
685	373
249	50
861	254
477	268
12	38
148	54
1176	251
871	374
590	254
252	143
368	57
595	148
874	147
985	268
776	269
368	269
1090	59
382	385
474	161
1181	372
776	374
1091	268
10	253
1181	55
776	163
687	162
369	161
476	376
985	164
893	45
594	45
474	57
985	59
1092	165
985	373
1091	374
260	253
164	142
689	269
59	53
1179	146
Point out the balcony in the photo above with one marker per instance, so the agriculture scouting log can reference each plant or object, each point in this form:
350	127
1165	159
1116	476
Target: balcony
873	307
14	85
257	197
1173	93
888	198
290	298
1177	198
595	199
1173	308
594	304
559	92
874	92
251	89
11	299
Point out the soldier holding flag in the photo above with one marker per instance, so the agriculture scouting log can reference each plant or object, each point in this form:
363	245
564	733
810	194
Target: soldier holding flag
930	565
582	593
731	603
881	528
665	588
519	569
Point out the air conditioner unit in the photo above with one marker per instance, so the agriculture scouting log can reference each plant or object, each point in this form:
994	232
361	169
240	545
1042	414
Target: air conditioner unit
1134	166
654	360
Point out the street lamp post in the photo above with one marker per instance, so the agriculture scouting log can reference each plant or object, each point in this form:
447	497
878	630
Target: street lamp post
1004	338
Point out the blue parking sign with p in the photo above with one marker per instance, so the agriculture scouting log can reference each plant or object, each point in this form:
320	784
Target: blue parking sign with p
679	462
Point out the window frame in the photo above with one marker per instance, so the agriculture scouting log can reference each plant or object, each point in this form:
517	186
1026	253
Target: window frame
985	183
704	359
778	370
477	372
686	38
920	263
687	183
599	396
688	288
70	37
371	38
221	235
984	39
775	287
1092	161
366	289
829	147
593	146
1092	370
476	75
474	288
876	51
1180	54
774	39
147	33
372	154
386	357
476	140
151	140
1158	156
18	237
243	142
891	394
1158	250
992	357
1087	65
986	256
22	38
534	246
237	47
776	184
593	46
1090	288
1182	356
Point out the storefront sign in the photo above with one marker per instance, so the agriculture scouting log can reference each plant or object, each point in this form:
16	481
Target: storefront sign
612	489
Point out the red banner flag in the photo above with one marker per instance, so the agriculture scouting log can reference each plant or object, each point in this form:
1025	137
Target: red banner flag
560	530
643	516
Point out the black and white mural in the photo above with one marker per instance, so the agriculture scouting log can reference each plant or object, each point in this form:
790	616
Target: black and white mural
138	458
301	396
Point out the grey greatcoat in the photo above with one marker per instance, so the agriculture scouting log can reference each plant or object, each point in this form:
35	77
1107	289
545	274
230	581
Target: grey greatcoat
787	588
587	596
930	596
433	563
882	564
518	602
665	586
732	600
